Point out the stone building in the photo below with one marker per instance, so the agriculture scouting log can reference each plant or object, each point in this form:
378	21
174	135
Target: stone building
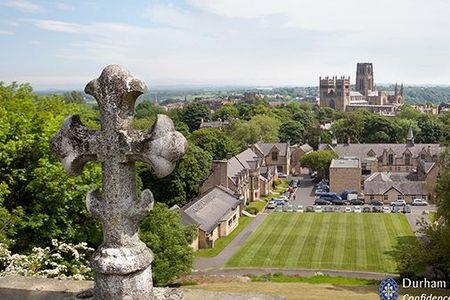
411	169
245	174
335	92
215	213
345	174
297	152
277	155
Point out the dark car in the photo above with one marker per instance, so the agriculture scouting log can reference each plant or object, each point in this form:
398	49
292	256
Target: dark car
339	202
329	196
294	183
345	193
366	209
376	203
376	209
356	202
321	202
310	209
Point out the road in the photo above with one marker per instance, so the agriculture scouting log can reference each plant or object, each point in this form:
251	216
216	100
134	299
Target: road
206	263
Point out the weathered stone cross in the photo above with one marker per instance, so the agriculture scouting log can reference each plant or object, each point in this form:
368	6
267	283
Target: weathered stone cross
122	263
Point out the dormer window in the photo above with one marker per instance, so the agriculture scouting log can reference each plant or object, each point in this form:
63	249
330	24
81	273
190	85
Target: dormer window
390	159
274	155
407	159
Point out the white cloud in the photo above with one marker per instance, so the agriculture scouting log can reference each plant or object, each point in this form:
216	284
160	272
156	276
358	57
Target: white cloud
23	5
6	32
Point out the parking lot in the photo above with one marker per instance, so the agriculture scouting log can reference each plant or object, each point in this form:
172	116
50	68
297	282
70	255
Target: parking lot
304	196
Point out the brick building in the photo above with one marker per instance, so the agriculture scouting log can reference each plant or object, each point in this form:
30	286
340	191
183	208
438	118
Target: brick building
345	174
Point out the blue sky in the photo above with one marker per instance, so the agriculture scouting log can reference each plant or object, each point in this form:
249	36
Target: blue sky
64	44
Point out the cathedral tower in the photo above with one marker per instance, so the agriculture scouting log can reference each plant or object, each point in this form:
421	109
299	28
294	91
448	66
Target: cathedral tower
364	78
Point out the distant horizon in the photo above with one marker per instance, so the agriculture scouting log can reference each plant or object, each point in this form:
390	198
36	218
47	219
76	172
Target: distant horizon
63	45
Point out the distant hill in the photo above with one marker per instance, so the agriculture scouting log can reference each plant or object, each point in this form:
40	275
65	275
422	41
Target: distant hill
432	94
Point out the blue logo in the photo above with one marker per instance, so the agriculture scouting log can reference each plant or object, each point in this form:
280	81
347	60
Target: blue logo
388	289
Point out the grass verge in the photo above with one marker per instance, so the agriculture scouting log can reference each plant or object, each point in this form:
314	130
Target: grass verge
338	280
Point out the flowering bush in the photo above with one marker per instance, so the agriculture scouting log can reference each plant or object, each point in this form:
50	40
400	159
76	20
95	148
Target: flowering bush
61	260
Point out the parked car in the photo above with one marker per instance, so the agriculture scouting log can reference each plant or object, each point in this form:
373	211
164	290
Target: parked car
318	208
357	209
386	209
396	209
348	209
377	209
271	204
337	209
321	202
345	193
356	202
279	208
310	209
398	203
282	175
294	183
407	209
284	198
366	209
340	202
328	209
319	192
376	203
288	208
419	202
279	202
300	208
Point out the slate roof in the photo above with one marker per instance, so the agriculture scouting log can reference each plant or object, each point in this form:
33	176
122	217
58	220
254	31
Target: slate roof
345	163
381	182
306	148
247	159
426	166
361	150
266	147
207	210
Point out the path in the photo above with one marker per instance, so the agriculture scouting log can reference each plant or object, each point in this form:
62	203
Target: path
205	263
299	272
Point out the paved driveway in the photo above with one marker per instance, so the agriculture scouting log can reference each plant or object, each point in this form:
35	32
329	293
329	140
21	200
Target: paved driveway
205	263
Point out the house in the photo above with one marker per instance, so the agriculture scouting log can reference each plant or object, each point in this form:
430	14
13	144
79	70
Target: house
388	157
245	174
345	174
388	187
213	124
215	213
275	154
297	152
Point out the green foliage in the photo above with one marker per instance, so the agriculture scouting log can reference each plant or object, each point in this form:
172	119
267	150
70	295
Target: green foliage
226	112
259	128
319	279
193	113
293	132
73	97
319	161
216	142
183	183
170	241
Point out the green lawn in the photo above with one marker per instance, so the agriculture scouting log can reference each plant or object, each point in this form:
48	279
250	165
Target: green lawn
222	242
347	241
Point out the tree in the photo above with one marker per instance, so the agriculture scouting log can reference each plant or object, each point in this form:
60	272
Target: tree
193	113
216	142
74	97
431	129
260	128
163	232
293	132
226	112
379	129
319	161
183	183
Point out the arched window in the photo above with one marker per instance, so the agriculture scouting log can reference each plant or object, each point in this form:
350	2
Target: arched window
407	159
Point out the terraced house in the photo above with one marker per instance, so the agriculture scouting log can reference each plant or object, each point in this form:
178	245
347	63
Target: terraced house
402	171
246	174
277	155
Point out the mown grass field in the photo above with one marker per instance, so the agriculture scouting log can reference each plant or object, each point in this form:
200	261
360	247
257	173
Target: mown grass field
349	241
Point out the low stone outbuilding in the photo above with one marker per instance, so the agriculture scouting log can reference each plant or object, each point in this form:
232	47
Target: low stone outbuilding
388	187
215	213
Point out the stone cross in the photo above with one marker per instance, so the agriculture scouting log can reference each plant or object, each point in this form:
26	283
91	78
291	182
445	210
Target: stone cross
122	263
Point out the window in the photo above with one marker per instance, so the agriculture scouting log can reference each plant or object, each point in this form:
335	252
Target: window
424	197
274	155
386	198
372	197
390	159
407	159
422	156
399	197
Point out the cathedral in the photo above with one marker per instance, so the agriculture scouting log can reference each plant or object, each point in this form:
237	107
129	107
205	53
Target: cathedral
335	92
